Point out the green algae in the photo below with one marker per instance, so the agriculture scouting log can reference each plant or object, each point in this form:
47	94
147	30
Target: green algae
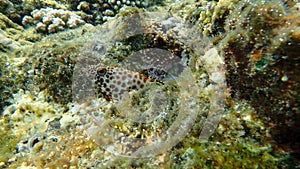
8	144
238	154
241	143
5	22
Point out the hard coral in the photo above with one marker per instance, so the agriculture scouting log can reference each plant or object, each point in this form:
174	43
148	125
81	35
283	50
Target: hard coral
96	12
51	20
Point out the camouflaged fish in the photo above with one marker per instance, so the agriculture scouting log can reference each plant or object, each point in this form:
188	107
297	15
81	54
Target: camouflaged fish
112	82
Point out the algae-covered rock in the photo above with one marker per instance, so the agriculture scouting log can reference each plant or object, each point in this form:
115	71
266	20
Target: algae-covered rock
260	43
46	65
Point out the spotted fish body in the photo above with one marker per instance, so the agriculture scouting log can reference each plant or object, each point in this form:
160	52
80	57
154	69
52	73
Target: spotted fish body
113	82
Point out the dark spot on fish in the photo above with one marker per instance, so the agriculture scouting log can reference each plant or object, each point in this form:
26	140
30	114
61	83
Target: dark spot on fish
101	72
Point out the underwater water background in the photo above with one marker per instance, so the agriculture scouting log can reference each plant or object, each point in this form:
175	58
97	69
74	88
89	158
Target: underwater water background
149	84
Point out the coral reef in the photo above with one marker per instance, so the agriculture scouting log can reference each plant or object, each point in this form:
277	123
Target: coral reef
42	127
100	11
51	20
15	10
92	11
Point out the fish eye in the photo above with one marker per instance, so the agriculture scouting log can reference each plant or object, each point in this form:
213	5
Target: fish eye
101	72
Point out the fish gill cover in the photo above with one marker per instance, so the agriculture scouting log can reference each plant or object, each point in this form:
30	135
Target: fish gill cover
153	95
